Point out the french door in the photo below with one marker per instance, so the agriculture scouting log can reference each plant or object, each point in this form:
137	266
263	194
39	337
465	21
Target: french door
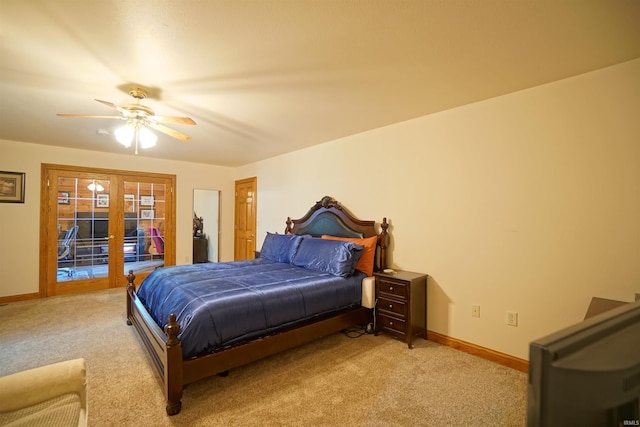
99	224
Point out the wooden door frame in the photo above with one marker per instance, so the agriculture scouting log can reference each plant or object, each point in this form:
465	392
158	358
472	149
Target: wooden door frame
48	200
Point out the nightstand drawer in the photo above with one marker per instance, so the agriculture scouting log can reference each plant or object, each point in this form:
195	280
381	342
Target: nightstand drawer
393	325
391	287
394	306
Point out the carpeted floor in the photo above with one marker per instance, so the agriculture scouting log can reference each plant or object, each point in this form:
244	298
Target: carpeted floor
365	381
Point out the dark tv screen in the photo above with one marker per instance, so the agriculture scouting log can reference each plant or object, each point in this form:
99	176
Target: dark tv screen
95	225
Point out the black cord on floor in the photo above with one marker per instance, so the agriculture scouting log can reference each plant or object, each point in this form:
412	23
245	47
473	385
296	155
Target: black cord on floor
356	331
360	330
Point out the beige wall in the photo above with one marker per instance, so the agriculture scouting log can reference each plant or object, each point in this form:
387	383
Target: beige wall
19	235
528	202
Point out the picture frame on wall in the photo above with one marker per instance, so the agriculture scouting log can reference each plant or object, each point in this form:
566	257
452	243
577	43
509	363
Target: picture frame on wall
102	200
146	214
129	203
146	200
12	187
64	198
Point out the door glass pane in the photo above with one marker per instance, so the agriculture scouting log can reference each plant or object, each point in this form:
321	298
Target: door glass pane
83	228
144	222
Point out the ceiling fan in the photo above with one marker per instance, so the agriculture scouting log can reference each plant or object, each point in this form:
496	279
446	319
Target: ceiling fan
139	119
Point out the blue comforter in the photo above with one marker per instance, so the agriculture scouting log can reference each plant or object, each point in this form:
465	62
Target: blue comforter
218	304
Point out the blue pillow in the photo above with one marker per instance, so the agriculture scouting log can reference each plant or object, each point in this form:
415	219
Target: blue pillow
280	247
330	256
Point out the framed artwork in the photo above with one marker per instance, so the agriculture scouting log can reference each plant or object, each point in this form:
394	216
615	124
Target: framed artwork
146	214
129	203
102	200
63	198
146	200
12	187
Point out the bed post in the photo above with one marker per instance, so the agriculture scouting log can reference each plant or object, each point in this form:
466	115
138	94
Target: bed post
173	367
131	287
382	240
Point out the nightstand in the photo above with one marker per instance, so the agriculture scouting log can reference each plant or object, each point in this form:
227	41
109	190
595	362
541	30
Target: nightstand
200	250
401	309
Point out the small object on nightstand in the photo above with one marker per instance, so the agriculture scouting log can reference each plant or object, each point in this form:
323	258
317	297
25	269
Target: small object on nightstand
401	309
197	225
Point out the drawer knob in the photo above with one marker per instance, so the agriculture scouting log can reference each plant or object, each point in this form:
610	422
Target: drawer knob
390	288
390	305
390	323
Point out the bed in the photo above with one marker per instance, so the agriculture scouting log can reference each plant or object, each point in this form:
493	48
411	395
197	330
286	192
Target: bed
200	320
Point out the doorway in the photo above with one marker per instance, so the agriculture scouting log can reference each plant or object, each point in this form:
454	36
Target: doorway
99	224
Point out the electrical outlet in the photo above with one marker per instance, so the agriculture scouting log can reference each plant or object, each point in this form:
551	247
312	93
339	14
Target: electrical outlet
512	318
475	311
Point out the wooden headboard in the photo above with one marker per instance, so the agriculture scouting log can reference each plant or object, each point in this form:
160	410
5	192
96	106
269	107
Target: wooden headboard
327	216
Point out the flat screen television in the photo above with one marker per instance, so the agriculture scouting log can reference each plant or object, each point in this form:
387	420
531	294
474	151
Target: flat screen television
95	225
587	374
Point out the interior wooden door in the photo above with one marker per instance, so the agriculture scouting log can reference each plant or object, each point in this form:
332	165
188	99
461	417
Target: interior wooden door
98	224
245	219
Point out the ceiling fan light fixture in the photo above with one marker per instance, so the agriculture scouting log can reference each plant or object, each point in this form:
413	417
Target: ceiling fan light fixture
124	135
147	138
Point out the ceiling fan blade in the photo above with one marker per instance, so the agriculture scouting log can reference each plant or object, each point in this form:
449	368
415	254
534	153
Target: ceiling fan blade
87	116
176	120
170	132
108	104
124	111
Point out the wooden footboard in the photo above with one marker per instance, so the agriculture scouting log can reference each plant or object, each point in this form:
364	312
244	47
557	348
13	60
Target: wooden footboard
163	347
165	350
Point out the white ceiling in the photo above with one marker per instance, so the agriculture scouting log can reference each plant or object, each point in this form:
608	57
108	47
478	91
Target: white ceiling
266	77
